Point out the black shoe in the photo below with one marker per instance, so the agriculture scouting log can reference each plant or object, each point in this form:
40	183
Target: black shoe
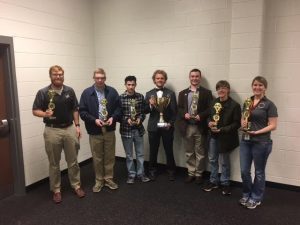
171	175
209	187
189	179
152	175
199	180
226	190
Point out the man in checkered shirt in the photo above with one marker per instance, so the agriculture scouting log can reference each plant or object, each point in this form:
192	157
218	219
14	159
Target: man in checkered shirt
132	106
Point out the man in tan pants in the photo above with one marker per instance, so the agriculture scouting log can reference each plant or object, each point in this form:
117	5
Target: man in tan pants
58	105
100	109
193	111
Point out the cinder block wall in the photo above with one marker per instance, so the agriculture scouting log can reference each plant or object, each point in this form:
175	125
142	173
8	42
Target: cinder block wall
233	40
47	33
227	39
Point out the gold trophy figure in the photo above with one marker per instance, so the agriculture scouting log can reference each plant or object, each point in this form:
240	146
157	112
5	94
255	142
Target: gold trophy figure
194	105
133	113
51	104
103	114
216	117
246	114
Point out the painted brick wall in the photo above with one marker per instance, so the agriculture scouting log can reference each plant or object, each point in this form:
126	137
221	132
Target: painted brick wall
281	64
227	39
234	40
47	33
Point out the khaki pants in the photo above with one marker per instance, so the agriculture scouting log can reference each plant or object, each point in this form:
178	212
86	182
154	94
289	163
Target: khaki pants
194	143
103	148
56	140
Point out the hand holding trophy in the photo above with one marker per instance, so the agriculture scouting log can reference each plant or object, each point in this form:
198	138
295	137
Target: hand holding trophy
216	116
161	104
246	114
133	119
51	104
194	105
103	114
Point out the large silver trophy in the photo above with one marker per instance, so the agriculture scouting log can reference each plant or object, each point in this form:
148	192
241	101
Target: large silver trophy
103	114
161	104
246	114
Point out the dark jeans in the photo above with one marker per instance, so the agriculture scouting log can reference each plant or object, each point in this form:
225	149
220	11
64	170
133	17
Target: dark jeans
154	141
258	152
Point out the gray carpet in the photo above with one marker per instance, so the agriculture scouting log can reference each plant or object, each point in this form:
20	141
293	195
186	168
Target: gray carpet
160	202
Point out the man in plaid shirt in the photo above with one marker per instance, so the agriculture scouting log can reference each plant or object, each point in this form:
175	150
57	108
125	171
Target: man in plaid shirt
132	106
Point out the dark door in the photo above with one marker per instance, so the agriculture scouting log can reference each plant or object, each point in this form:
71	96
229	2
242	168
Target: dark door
12	179
6	172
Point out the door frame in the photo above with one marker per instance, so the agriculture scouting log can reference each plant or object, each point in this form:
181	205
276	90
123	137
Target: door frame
14	116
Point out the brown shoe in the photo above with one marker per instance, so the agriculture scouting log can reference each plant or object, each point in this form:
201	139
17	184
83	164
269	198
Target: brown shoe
80	193
199	180
57	197
189	179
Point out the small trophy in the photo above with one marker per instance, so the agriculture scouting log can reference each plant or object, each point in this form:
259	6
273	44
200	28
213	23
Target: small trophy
132	110
162	104
103	114
194	105
51	104
216	117
246	114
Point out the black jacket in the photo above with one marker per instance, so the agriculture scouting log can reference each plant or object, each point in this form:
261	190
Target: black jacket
205	98
170	112
229	123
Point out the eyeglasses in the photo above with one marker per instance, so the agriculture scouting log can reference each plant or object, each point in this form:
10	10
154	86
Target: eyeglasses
57	75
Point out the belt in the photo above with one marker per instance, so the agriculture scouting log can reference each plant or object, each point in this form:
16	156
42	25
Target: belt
60	125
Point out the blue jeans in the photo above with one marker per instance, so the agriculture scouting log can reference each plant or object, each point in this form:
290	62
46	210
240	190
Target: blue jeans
138	142
213	157
258	152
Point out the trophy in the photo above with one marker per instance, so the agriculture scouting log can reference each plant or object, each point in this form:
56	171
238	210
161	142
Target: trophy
246	114
132	110
51	104
161	105
103	114
194	105
216	117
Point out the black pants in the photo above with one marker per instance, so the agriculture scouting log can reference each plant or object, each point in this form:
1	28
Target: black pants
154	141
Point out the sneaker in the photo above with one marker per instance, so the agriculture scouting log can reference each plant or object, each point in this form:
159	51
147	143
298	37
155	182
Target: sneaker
130	180
252	204
243	200
209	187
152	175
226	190
111	184
144	178
98	187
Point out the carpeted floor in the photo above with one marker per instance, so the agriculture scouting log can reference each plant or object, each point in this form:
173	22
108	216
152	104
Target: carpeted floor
160	202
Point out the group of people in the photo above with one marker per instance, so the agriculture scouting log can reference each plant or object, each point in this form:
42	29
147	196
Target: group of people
201	120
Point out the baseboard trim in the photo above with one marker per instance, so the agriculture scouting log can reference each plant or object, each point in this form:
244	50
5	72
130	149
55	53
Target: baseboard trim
182	169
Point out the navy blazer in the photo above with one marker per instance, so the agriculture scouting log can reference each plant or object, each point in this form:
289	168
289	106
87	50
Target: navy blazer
170	112
204	101
89	108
